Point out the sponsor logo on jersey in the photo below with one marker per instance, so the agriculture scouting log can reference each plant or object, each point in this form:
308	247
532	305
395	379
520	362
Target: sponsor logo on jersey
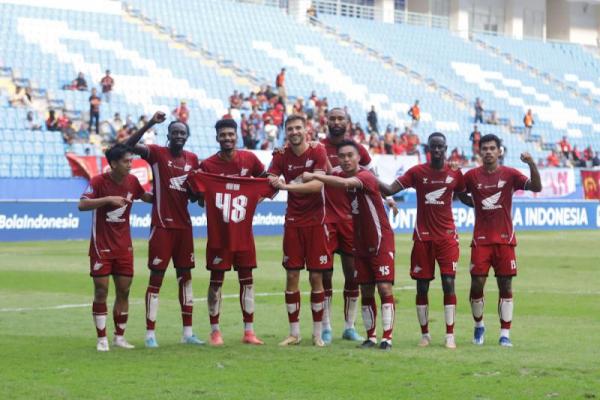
434	197
479	186
501	184
449	179
185	168
97	266
156	261
417	269
293	167
176	183
354	205
217	260
489	203
244	171
425	180
116	215
309	163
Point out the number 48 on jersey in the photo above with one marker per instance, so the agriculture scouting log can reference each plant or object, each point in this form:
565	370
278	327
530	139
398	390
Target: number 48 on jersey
234	209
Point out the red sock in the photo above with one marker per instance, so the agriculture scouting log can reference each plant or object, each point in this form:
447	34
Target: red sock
152	300
120	320
186	298
316	305
99	312
388	315
449	312
422	303
292	301
369	314
246	294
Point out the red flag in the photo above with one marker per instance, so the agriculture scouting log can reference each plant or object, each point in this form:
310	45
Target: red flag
590	179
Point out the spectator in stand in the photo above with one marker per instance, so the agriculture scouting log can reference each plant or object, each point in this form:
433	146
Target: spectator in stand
21	98
117	123
553	159
528	122
398	148
474	138
588	153
576	157
83	134
415	113
412	143
493	119
278	114
256	119
388	140
63	122
33	122
565	147
234	100
280	85
181	113
596	160
358	134
129	124
107	83
95	110
271	133
375	146
52	122
79	83
298	107
478	110
372	121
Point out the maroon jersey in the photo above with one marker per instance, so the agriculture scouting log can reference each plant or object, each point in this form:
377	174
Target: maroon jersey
492	195
111	235
435	189
243	164
372	230
337	206
302	209
169	208
230	204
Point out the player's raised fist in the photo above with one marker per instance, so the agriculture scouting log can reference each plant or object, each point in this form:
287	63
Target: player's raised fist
159	117
526	158
117	201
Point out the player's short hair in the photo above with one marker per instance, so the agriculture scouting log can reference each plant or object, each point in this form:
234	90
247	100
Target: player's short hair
295	117
436	134
117	152
225	123
338	108
348	142
490	137
187	128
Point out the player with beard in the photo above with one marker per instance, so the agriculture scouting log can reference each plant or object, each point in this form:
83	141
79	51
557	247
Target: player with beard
171	235
339	225
491	187
435	237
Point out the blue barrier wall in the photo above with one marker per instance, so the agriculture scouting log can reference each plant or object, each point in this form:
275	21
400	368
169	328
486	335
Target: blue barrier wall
59	220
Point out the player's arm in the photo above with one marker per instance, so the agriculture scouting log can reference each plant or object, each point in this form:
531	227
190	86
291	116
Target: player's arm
306	187
465	198
330	180
535	181
86	204
133	140
391	189
147	197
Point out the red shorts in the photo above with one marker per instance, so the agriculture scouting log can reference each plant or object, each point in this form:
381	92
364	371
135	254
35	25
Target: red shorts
306	246
167	244
425	254
501	257
111	266
376	268
223	259
341	237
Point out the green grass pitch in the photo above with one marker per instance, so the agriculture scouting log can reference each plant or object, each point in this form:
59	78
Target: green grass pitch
49	353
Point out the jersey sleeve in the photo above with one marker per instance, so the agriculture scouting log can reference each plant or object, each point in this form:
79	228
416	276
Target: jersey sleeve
468	179
368	180
152	155
138	190
276	165
195	181
519	179
365	157
321	159
92	190
460	182
408	179
257	167
195	162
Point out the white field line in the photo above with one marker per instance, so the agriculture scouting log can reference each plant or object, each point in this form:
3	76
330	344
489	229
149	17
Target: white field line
235	296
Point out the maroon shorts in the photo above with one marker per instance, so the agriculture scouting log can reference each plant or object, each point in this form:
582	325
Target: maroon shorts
167	244
501	257
111	266
376	268
425	254
223	259
341	237
306	246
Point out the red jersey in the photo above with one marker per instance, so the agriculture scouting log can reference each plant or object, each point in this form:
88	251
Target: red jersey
243	164
302	209
492	195
111	235
372	230
230	204
435	189
169	208
338	208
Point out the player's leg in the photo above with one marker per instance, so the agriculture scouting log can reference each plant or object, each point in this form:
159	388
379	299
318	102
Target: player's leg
160	247
350	298
183	260
422	304
152	292
100	311
246	281
213	300
369	312
317	299
121	310
481	257
327	303
292	302
449	309
388	313
505	308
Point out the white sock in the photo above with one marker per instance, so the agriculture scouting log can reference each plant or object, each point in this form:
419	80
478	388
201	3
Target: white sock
449	313
248	327
150	334
214	327
505	333
423	314
295	329
187	331
352	307
479	324
387	316
317	328
327	313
